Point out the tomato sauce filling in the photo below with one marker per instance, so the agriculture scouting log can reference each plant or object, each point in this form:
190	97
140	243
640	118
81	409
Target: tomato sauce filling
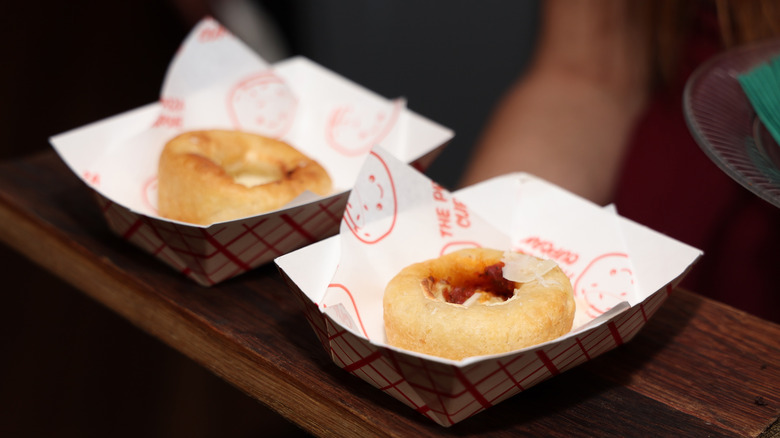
490	281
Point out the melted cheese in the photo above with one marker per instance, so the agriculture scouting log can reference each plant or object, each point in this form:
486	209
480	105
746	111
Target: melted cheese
254	179
252	172
523	268
472	299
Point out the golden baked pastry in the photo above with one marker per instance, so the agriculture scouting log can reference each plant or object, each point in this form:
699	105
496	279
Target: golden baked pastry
218	175
461	305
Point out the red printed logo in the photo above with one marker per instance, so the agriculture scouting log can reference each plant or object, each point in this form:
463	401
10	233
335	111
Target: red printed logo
549	250
92	178
262	103
605	282
208	34
166	121
372	202
450	212
354	131
172	104
171	114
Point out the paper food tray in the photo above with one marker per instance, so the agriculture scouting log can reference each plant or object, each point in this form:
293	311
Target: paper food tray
621	271
216	82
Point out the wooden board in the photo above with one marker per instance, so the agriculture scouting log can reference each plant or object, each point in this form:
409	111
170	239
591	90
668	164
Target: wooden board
699	368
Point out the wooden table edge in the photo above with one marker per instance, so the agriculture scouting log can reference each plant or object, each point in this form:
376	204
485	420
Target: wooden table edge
128	296
319	415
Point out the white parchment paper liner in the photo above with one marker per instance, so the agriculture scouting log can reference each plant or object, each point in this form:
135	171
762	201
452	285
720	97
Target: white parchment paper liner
621	271
216	82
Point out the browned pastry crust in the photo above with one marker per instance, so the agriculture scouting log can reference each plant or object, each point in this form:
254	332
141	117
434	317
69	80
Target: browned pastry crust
419	318
217	175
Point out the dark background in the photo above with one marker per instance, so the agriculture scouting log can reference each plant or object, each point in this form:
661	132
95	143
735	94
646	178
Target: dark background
66	64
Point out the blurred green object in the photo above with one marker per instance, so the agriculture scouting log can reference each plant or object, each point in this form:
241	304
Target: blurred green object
761	84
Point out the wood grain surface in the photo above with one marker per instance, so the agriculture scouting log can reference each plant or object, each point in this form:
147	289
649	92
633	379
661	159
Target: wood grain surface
699	368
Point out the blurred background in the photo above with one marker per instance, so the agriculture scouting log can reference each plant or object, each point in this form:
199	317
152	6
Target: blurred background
71	63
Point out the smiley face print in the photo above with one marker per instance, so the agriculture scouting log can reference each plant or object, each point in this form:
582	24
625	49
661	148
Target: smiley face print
262	103
607	281
352	130
373	206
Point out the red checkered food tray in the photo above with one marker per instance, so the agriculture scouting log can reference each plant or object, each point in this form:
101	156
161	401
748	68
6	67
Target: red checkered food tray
621	271
215	82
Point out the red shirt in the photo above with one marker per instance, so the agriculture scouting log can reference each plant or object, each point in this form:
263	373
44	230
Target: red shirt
670	185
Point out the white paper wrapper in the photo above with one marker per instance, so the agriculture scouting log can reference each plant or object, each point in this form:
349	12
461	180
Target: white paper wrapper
216	82
621	272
